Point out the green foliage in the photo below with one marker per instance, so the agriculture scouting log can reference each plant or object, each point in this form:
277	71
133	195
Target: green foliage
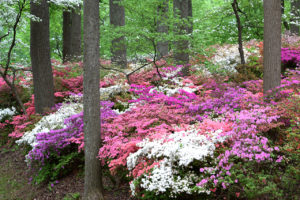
57	166
72	196
56	31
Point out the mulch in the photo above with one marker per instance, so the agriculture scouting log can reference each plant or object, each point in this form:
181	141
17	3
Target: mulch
12	164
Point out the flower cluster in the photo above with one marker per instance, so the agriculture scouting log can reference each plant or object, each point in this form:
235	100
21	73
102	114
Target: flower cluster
7	112
227	57
182	148
50	122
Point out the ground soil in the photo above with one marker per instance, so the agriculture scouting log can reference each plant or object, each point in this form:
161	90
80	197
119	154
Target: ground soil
15	176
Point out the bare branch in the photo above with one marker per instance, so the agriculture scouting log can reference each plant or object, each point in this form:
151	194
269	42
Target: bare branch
1	37
21	7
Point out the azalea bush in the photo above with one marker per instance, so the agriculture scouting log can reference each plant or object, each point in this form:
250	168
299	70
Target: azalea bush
173	137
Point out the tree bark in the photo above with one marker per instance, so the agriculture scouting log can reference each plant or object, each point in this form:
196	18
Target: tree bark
71	35
272	45
118	45
91	102
295	12
67	23
235	7
190	15
181	46
76	34
40	57
162	27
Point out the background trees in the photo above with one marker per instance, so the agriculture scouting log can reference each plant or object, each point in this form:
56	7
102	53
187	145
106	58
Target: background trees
295	16
118	45
162	27
71	49
181	55
91	101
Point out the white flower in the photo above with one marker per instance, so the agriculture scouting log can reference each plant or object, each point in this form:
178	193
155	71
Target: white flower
181	148
51	122
108	92
7	112
228	56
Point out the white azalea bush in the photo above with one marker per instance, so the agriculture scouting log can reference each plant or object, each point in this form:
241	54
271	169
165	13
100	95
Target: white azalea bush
169	166
7	112
228	57
53	121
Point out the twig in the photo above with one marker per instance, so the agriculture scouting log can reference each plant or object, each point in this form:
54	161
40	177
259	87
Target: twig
3	36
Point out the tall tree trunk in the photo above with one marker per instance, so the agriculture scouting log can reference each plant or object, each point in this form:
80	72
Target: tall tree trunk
272	45
118	46
40	57
181	54
76	34
91	102
71	35
235	7
67	23
295	12
162	27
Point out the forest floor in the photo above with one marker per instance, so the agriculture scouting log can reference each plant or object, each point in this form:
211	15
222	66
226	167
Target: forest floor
15	185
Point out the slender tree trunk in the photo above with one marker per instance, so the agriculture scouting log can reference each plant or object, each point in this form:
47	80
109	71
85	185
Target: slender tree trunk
91	102
295	12
40	57
76	34
190	15
235	7
272	44
181	54
118	46
162	27
67	23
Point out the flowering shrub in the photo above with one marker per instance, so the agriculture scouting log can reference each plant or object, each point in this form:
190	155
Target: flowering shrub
290	58
176	137
7	112
159	173
227	57
51	122
55	149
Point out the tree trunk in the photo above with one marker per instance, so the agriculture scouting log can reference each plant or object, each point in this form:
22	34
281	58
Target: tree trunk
71	35
40	57
235	7
295	12
162	27
190	15
76	34
181	45
91	100
67	23
272	45
118	45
